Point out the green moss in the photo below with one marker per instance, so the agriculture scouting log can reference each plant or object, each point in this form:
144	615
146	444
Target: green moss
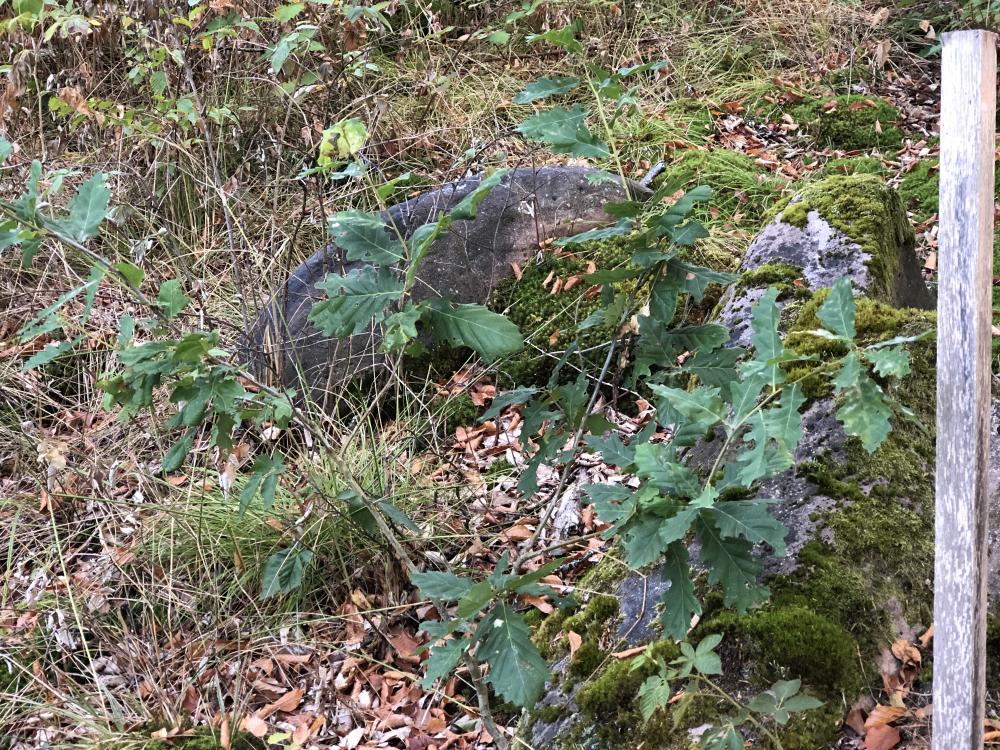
549	714
768	274
850	122
586	660
919	188
739	185
549	321
797	214
795	642
855	165
592	621
867	211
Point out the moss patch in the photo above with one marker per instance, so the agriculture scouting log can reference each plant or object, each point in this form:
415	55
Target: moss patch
851	123
550	321
794	642
855	165
739	185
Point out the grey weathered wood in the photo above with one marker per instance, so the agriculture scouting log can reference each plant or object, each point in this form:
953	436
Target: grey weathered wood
968	106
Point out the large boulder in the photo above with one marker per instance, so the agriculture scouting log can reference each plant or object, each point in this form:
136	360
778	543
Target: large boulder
859	568
528	207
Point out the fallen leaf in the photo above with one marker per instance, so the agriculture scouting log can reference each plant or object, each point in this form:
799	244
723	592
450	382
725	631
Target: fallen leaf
926	637
288	702
575	641
629	652
255	725
882	738
883	716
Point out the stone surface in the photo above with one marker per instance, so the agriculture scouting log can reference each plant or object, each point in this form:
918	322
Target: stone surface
822	253
529	206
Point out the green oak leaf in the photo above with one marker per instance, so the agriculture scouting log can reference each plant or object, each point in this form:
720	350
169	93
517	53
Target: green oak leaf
366	237
355	300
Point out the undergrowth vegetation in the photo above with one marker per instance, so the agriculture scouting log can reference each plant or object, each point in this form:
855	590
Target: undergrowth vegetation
184	541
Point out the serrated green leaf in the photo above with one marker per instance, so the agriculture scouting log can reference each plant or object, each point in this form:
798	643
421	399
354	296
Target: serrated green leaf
489	334
441	585
732	566
284	571
658	464
653	694
750	520
442	660
642	542
285	13
178	452
543	88
88	209
766	340
697	338
517	671
702	405
265	471
401	327
889	361
171	298
502	400
355	300
680	605
837	310
695	279
498	38
474	600
132	273
564	37
715	368
864	411
466	209
622	228
365	237
612	502
565	131
613	451
50	352
706	661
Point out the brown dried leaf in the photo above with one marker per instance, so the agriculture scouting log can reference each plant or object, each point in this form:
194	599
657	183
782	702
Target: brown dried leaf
255	725
575	641
882	738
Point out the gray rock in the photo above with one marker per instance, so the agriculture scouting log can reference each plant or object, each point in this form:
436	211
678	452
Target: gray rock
529	206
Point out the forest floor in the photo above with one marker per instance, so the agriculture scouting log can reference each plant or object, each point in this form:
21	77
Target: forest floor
130	601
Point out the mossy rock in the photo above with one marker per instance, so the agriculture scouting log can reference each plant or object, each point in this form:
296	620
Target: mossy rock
850	123
860	524
739	185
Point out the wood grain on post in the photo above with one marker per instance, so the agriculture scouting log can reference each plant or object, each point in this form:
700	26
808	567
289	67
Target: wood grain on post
965	262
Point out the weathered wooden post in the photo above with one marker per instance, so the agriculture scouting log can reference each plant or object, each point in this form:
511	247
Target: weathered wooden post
965	263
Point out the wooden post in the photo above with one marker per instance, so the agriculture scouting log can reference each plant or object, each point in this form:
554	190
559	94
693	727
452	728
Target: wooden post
965	263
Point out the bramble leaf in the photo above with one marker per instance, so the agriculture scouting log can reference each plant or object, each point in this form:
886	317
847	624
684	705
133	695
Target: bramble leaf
441	585
653	694
284	571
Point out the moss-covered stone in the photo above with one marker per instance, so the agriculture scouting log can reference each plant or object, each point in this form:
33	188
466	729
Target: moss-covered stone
850	122
865	210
